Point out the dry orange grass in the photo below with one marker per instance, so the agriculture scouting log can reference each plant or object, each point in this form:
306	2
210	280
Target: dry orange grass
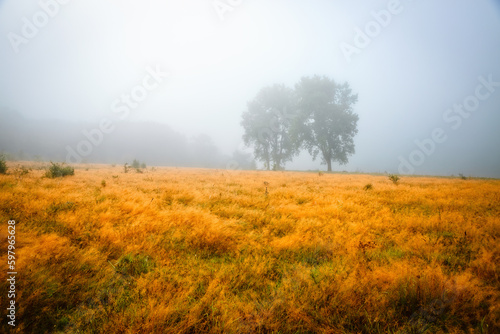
209	251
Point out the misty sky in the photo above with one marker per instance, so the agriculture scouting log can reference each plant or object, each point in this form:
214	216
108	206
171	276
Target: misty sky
425	58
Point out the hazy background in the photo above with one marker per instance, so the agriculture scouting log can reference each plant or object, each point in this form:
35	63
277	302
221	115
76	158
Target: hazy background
428	58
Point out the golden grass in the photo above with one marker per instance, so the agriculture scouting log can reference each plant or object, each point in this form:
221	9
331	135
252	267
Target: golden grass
208	251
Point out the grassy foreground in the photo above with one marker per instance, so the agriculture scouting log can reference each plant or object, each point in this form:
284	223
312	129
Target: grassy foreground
211	251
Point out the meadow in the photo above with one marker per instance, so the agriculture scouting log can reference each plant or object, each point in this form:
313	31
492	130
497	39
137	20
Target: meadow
173	250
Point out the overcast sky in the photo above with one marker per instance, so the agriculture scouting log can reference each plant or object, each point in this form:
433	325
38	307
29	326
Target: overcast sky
421	59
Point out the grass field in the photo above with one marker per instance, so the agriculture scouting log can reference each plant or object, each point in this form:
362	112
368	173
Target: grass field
210	251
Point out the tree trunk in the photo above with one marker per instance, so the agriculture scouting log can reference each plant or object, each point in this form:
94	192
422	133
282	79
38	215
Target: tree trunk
329	162
277	165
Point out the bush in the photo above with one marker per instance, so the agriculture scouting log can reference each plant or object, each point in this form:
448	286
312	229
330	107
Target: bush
136	164
367	187
394	178
20	171
59	170
3	165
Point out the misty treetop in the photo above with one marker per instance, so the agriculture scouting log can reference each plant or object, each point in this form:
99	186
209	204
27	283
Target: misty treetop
317	116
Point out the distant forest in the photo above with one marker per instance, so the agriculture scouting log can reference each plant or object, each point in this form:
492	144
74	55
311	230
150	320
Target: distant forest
153	143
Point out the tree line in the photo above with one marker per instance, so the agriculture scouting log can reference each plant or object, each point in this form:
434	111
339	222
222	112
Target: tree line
154	143
317	115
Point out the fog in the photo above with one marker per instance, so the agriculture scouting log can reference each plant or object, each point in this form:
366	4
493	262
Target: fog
427	76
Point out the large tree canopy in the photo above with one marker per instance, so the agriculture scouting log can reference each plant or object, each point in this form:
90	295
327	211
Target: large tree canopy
317	116
326	123
267	123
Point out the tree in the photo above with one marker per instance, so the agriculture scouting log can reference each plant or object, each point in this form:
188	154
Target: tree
267	123
326	123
